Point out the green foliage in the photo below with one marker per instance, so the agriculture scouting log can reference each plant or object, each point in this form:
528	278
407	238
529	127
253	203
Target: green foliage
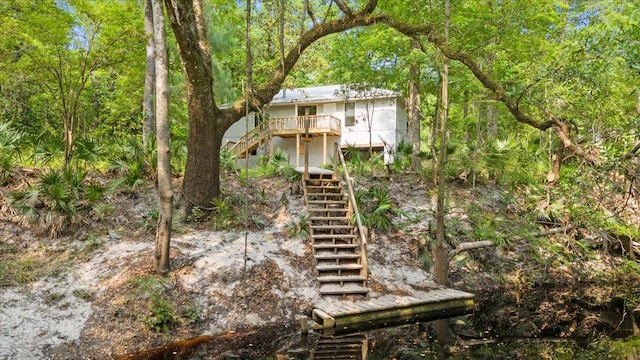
24	271
162	317
402	156
298	227
58	201
278	164
191	313
47	151
376	208
17	268
225	216
88	153
10	140
360	163
625	347
228	160
252	221
6	169
92	244
133	162
83	294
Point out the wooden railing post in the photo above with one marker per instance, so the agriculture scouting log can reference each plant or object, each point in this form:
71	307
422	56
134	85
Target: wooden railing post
336	148
353	206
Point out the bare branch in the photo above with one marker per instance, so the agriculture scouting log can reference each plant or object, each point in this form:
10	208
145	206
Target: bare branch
310	13
561	129
369	7
632	153
344	7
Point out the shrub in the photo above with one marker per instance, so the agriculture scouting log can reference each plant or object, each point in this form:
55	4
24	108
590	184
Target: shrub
376	209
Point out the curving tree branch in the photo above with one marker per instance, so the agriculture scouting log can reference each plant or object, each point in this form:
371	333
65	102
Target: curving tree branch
264	95
432	36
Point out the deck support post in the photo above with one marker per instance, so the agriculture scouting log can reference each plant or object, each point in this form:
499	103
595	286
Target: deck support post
306	160
297	150
324	148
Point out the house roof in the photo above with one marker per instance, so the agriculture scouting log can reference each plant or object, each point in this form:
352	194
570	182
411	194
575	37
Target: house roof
317	94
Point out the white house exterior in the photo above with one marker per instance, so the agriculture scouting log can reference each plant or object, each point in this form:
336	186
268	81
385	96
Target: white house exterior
332	114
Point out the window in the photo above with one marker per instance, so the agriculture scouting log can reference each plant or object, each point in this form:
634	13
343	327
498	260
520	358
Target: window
309	110
349	114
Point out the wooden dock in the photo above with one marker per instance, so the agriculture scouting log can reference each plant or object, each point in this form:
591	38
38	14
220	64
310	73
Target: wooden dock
340	316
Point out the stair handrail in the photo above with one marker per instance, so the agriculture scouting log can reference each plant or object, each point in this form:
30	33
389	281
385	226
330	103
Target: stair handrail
244	143
352	199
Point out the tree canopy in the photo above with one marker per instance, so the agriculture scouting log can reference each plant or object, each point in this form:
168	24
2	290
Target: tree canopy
74	69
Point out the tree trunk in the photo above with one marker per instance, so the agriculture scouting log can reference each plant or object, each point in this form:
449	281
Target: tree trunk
492	121
165	191
206	126
441	263
434	135
68	143
149	80
554	174
638	102
415	115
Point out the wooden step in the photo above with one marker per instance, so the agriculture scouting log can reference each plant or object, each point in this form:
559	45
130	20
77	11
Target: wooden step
332	227
325	196
338	267
338	354
330	356
341	279
324	236
312	180
337	257
324	187
329	218
327	202
347	289
334	246
337	192
327	210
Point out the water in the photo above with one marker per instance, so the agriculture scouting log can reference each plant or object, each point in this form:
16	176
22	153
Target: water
414	341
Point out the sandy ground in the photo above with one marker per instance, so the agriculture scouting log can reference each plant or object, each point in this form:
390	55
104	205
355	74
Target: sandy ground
87	306
71	309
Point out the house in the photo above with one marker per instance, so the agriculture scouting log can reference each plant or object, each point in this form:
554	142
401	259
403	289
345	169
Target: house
328	114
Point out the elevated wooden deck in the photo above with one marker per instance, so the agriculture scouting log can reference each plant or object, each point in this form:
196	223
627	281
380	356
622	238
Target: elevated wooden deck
340	316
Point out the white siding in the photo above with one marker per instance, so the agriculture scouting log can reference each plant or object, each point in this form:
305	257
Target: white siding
382	113
388	128
282	111
328	109
238	129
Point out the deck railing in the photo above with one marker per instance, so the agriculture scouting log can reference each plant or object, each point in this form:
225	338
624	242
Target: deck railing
285	126
250	139
353	206
297	124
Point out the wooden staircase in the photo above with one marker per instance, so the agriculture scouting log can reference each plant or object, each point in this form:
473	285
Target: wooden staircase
340	261
248	142
346	347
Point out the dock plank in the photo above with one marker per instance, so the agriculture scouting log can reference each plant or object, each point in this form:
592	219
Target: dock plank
436	303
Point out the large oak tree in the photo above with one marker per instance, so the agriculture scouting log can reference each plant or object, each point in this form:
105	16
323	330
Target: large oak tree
208	121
